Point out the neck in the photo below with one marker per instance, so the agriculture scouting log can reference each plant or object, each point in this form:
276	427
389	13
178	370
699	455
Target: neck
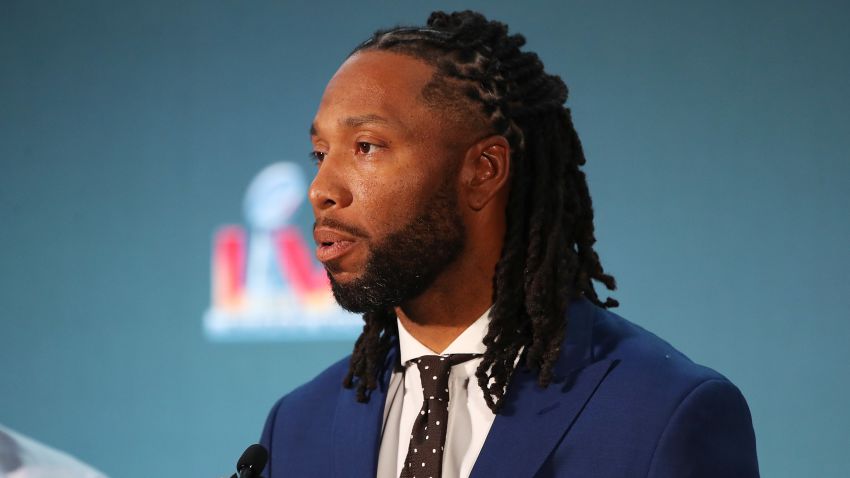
456	299
464	291
444	324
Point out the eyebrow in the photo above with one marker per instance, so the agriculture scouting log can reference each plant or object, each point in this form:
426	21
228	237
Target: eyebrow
355	121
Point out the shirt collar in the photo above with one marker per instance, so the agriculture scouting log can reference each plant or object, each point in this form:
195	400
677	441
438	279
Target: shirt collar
470	341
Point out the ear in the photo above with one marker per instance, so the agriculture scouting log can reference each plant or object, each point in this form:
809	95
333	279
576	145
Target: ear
486	170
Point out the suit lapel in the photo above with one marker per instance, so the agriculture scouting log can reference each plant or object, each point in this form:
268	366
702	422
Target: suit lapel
542	416
356	436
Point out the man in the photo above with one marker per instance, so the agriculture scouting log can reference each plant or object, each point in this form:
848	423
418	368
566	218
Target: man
452	212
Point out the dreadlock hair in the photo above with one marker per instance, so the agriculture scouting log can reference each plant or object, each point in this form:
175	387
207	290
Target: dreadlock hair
548	257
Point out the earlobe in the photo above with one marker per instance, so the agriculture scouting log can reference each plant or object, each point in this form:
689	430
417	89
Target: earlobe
489	161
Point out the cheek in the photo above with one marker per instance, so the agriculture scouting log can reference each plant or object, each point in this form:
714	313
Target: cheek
387	202
389	192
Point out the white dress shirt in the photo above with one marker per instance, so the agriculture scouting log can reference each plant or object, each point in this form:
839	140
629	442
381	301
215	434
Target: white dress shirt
469	416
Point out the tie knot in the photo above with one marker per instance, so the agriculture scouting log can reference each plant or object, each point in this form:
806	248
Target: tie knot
434	372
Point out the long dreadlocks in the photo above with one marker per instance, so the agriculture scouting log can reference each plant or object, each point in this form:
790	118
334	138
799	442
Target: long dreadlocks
548	256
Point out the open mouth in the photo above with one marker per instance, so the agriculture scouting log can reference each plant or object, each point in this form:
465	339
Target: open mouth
330	250
332	243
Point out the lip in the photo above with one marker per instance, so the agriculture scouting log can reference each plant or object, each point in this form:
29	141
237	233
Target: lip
331	244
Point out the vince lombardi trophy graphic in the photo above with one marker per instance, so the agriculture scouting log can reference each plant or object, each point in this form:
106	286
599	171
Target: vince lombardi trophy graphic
265	283
270	202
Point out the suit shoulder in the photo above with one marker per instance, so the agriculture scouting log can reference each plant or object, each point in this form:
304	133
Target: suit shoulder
687	411
302	420
645	355
309	406
326	383
709	434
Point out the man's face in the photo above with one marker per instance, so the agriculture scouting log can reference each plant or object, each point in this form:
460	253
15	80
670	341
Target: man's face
385	194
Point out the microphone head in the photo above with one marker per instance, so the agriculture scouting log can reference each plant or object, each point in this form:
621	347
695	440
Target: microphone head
254	458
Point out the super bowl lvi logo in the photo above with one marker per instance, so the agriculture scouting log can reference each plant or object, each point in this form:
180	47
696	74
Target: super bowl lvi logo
265	283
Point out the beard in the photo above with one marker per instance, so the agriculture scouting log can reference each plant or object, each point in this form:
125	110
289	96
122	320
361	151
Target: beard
405	263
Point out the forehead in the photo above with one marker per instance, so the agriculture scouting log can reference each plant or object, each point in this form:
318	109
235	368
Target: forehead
376	83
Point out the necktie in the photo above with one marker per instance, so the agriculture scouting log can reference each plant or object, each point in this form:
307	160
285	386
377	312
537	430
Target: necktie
425	452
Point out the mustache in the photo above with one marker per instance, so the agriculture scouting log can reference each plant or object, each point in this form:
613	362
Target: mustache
341	226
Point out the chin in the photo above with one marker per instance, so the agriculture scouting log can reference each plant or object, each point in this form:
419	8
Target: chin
343	277
343	272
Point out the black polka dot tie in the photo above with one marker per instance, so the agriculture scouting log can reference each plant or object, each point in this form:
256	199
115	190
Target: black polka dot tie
425	453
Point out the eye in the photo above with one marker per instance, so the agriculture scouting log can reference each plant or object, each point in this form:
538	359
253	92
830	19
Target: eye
365	148
317	156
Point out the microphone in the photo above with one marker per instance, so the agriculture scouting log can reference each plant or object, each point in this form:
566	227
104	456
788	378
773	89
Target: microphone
252	462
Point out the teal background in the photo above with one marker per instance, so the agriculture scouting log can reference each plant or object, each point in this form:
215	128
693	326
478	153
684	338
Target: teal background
717	136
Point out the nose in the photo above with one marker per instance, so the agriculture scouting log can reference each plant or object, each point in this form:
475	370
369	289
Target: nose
329	188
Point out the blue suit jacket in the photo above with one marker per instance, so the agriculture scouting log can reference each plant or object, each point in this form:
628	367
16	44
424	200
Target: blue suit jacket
624	403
